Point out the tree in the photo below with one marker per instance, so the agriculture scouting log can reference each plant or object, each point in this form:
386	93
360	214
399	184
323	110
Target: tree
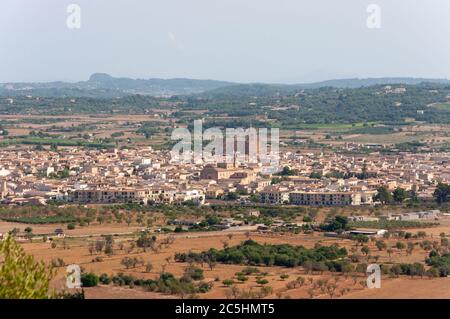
100	219
383	195
109	249
417	269
148	267
442	193
276	180
54	147
104	279
228	282
338	224
262	281
242	277
286	171
399	195
410	248
127	262
421	234
311	293
21	277
444	242
212	220
432	273
380	245
284	276
146	241
413	198
193	273
99	245
89	280
109	240
399	245
128	220
266	290
210	262
364	172
347	268
315	175
365	250
331	288
396	270
91	248
361	239
231	196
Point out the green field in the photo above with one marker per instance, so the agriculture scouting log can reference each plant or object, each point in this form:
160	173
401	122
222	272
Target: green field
328	126
41	219
442	106
391	224
53	141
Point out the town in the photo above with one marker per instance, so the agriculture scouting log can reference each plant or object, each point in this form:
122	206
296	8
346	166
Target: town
146	176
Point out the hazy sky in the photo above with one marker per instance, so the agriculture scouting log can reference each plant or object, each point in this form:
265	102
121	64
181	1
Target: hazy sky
236	40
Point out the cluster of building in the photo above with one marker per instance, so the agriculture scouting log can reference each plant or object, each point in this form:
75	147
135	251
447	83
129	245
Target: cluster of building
148	176
342	180
430	215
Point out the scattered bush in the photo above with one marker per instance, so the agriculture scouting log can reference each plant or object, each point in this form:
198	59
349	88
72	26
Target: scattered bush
89	280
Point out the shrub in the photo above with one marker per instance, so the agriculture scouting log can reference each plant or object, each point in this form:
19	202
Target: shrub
104	279
194	273
148	267
242	278
89	280
250	270
262	282
228	282
58	262
284	276
204	287
122	279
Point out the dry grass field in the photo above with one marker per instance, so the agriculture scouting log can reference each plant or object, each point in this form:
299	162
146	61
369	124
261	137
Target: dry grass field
74	250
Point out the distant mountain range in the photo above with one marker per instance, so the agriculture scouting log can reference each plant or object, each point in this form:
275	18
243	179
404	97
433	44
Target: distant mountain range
263	89
104	86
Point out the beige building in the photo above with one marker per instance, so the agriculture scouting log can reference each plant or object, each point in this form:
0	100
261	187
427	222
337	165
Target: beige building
325	198
215	173
110	195
274	195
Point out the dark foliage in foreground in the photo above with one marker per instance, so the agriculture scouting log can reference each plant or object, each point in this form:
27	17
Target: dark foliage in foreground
253	253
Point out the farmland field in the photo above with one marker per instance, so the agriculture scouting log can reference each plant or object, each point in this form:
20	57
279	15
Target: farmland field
74	249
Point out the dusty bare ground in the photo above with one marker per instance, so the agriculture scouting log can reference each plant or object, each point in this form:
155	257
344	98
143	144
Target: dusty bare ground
408	288
94	229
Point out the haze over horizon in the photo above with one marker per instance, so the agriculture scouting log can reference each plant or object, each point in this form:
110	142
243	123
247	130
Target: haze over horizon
233	82
284	41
